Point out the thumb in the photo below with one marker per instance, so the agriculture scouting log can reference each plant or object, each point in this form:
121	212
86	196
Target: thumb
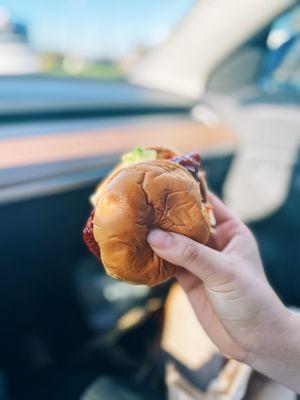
204	262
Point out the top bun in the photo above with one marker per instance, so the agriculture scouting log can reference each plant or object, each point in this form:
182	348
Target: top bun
137	198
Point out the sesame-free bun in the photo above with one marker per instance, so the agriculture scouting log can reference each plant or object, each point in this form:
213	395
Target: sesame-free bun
136	199
161	153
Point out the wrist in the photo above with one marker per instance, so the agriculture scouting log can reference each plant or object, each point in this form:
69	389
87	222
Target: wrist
278	354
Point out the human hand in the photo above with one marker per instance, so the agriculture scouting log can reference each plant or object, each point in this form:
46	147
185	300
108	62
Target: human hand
230	294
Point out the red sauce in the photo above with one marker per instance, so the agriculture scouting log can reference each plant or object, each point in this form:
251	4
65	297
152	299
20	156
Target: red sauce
88	236
190	161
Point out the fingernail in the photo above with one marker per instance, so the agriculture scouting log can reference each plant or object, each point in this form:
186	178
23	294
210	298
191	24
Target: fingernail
160	239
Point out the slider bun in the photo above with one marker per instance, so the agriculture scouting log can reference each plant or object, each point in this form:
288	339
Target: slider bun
161	153
136	199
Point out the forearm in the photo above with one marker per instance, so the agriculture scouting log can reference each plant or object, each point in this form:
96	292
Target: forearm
279	357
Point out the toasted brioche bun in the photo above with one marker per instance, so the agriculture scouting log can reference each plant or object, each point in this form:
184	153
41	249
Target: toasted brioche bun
163	153
137	198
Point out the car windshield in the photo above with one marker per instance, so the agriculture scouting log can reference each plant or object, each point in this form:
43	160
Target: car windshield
82	38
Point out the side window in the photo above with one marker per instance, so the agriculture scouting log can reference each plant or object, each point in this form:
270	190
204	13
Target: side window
281	66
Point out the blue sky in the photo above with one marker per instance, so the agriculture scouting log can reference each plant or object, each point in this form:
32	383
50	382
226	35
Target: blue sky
97	27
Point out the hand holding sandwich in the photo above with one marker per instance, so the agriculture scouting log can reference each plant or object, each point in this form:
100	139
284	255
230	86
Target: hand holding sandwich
232	298
159	188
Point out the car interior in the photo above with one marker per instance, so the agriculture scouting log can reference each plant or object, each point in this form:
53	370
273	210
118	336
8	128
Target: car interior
68	331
